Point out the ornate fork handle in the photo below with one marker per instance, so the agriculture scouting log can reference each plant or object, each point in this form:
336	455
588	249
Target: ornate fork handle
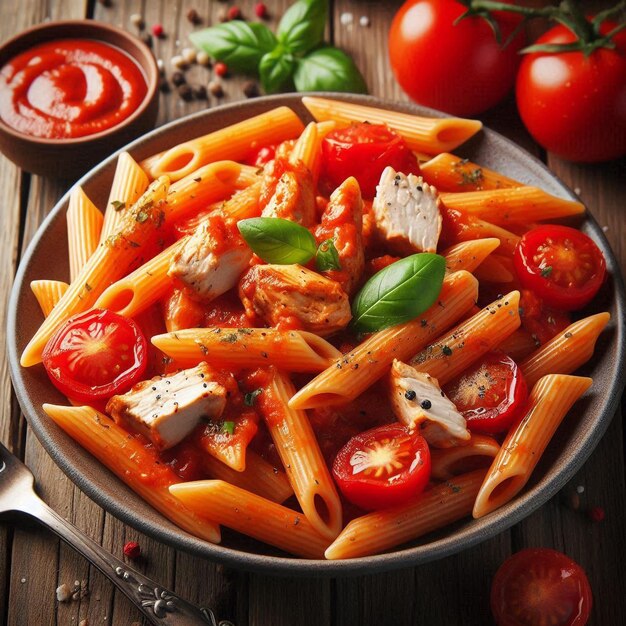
159	605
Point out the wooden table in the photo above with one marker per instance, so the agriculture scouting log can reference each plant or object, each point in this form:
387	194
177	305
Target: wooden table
452	591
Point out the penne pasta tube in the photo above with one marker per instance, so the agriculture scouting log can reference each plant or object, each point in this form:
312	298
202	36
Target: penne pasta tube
520	204
129	183
48	293
468	255
448	172
231	142
422	134
308	147
567	351
450	355
292	350
134	464
381	530
550	400
84	224
355	371
519	344
139	290
244	204
301	456
448	462
107	264
252	515
259	477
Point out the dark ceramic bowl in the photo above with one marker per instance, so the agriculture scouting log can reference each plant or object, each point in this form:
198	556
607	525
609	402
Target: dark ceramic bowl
584	426
69	158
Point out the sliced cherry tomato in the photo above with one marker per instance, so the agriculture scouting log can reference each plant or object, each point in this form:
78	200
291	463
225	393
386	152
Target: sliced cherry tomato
261	156
561	265
540	587
95	355
541	321
491	394
363	151
382	467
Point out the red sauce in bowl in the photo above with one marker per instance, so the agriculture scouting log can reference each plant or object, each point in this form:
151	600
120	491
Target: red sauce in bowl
69	88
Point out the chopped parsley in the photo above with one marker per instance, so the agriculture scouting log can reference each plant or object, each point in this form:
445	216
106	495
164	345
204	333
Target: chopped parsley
118	205
546	271
228	427
249	398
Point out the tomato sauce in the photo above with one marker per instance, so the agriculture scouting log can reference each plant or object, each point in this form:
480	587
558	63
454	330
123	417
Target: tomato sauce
69	88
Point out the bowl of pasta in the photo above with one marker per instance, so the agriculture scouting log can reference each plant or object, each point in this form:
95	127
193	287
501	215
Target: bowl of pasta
319	335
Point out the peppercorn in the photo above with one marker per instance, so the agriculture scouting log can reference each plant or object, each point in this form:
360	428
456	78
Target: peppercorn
222	15
164	86
178	79
147	39
132	550
202	58
596	514
234	13
105	3
178	61
220	69
216	89
185	92
410	395
250	89
137	21
194	17
157	31
260	10
426	404
200	93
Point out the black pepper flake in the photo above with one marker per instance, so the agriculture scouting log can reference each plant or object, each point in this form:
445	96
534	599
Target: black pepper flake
178	79
426	404
185	92
423	323
446	350
250	89
410	395
568	335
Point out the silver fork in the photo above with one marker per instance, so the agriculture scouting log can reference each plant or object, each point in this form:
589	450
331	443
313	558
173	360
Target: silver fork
159	605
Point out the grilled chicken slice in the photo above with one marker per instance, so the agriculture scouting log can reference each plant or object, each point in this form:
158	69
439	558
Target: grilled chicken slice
417	401
288	192
293	296
167	408
212	260
407	212
342	221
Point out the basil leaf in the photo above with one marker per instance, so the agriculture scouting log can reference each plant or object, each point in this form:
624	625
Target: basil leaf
327	257
277	240
239	44
399	292
328	69
302	25
276	69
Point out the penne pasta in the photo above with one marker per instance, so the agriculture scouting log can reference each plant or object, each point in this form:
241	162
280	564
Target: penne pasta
292	350
422	134
253	515
231	142
48	293
84	224
244	204
129	183
301	456
450	355
567	351
381	530
519	344
134	464
550	400
468	255
139	290
308	148
519	204
449	462
106	265
354	372
448	172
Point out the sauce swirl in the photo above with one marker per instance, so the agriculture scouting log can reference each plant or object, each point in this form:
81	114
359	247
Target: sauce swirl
69	88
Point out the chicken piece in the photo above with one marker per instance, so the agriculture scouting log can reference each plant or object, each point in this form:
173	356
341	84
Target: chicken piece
417	400
342	221
167	408
407	212
293	296
288	192
212	260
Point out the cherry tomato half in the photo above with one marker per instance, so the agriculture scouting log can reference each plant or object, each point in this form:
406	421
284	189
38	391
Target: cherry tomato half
491	394
561	265
457	67
540	586
95	355
363	151
382	467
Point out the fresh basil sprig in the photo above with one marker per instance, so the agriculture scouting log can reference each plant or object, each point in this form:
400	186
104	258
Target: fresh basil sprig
398	293
277	240
327	257
297	56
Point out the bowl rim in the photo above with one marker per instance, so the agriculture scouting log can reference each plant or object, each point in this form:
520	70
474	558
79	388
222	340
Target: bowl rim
151	76
485	528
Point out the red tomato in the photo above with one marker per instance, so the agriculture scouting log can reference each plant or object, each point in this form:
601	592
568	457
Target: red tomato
491	394
363	151
458	68
382	467
561	265
262	155
575	105
95	355
539	586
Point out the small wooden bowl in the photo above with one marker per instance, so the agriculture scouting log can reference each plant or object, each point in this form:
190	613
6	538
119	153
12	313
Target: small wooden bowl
69	158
